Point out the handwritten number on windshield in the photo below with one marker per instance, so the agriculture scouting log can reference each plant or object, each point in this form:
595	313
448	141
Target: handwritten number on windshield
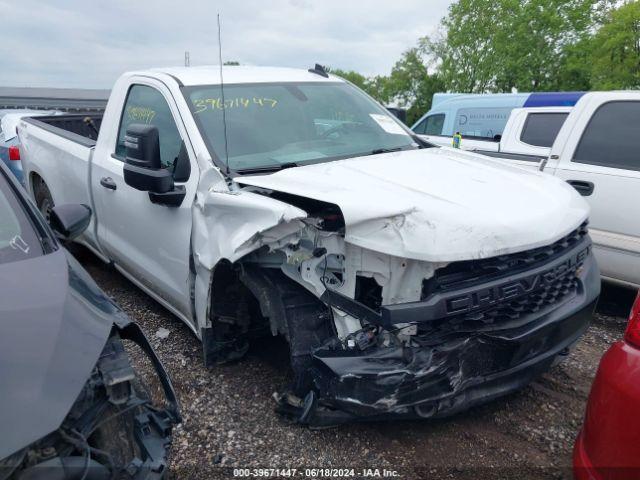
204	104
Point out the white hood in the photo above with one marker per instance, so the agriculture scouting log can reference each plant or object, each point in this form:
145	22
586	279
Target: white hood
437	205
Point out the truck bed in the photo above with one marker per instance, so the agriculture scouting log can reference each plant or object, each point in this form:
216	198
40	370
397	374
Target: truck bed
57	150
74	127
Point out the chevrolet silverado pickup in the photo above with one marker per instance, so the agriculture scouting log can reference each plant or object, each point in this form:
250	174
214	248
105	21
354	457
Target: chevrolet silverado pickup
409	281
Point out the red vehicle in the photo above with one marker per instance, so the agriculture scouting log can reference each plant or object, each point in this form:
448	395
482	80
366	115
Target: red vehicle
608	447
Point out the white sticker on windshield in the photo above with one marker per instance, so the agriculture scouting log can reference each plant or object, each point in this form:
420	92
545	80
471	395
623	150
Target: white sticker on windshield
387	124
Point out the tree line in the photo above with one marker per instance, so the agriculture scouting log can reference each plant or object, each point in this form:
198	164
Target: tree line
529	45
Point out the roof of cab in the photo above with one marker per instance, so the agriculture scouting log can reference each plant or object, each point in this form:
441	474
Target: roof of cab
210	75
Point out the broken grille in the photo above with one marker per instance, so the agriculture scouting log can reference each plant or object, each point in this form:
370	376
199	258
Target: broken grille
548	293
464	274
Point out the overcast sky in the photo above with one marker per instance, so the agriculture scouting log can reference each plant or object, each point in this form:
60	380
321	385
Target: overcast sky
82	43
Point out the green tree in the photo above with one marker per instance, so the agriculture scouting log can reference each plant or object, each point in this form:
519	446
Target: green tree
466	47
411	85
575	66
497	45
374	86
616	50
541	33
352	76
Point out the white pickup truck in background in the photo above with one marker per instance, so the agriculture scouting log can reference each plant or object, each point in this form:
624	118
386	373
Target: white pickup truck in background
598	152
409	281
527	137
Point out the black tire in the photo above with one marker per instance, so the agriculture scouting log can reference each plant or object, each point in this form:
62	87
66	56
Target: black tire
304	320
309	325
44	200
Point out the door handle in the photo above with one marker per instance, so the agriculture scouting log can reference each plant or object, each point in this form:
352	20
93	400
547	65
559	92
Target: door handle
107	182
584	188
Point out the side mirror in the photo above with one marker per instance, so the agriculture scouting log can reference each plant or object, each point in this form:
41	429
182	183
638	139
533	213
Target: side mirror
69	221
142	169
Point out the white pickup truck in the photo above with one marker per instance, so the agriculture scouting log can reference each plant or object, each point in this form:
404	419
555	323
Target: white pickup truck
527	136
408	281
598	152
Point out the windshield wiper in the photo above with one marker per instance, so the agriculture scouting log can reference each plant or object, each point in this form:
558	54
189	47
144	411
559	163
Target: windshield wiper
378	151
269	168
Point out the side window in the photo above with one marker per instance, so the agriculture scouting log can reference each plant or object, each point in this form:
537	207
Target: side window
541	129
147	105
433	124
419	129
611	138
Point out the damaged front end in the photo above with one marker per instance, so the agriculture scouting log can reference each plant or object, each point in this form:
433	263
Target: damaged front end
374	336
481	329
401	306
119	426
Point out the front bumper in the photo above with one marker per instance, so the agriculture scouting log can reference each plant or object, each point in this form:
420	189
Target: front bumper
449	371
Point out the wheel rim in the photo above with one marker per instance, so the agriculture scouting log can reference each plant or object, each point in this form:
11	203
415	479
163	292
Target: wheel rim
45	209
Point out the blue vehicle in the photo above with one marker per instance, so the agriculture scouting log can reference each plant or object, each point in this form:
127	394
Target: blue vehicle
10	156
9	152
483	116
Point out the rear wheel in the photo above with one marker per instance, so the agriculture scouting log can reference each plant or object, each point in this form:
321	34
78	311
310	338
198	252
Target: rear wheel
44	200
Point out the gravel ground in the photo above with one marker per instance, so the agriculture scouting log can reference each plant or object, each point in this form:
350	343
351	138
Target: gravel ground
229	418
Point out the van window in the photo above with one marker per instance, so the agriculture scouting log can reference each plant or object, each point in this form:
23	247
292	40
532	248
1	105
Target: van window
431	125
541	129
146	105
481	122
419	128
611	138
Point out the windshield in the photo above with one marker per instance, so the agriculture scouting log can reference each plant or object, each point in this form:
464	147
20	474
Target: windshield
276	125
18	238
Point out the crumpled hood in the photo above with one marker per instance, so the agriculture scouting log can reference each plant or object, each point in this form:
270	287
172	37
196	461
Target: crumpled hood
437	205
54	323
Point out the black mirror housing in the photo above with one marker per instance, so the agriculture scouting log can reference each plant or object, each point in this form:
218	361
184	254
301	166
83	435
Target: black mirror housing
143	169
143	146
147	180
69	221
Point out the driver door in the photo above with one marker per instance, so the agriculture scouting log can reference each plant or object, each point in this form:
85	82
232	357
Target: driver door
149	243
